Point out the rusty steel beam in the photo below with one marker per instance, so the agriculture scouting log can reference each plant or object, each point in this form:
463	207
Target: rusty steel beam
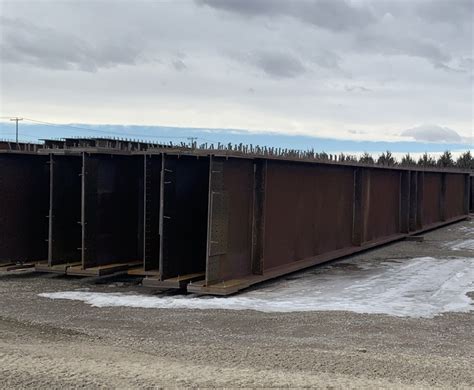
470	191
306	214
24	182
152	195
151	220
182	221
442	199
383	195
432	198
230	219
455	195
358	209
405	182
64	229
258	216
420	184
19	147
413	222
51	207
111	214
98	145
219	221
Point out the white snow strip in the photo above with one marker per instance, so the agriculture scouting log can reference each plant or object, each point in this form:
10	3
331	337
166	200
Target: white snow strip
462	245
420	287
468	230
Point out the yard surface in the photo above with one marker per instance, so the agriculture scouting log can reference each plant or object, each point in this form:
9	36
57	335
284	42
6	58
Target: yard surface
418	331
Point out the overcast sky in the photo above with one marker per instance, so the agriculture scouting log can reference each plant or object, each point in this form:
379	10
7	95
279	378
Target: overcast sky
344	69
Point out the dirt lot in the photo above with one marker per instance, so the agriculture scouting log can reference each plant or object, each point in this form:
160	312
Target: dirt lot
66	343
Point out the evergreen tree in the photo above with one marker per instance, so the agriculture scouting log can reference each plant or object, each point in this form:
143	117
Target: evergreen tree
351	158
407	161
465	161
324	156
366	158
386	159
445	160
426	161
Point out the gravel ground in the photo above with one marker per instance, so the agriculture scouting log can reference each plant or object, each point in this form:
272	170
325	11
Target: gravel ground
60	343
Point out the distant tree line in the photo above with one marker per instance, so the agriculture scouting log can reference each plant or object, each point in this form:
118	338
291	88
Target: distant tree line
446	160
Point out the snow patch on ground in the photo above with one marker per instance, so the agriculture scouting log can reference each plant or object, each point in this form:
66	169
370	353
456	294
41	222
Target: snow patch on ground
420	287
465	229
461	245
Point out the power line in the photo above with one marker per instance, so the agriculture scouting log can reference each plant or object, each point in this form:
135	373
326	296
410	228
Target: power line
109	132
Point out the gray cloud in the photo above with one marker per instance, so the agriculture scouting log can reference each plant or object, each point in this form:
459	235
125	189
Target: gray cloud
278	64
327	59
356	88
25	42
179	65
366	20
447	11
310	63
413	46
432	133
334	15
249	7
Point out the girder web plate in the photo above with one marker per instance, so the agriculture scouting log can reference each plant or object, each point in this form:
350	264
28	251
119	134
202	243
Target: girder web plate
220	222
229	249
217	221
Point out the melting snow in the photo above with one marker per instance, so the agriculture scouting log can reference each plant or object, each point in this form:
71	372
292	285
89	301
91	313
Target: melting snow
420	287
461	244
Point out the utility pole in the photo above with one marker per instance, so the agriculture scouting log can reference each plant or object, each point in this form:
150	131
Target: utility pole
16	120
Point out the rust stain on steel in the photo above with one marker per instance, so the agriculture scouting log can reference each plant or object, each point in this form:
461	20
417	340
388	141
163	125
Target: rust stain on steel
258	217
230	219
431	198
357	208
381	194
405	190
413	201
24	187
308	211
454	203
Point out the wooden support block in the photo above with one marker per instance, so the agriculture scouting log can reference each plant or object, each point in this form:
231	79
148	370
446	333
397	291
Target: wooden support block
101	270
139	271
55	269
178	283
16	266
